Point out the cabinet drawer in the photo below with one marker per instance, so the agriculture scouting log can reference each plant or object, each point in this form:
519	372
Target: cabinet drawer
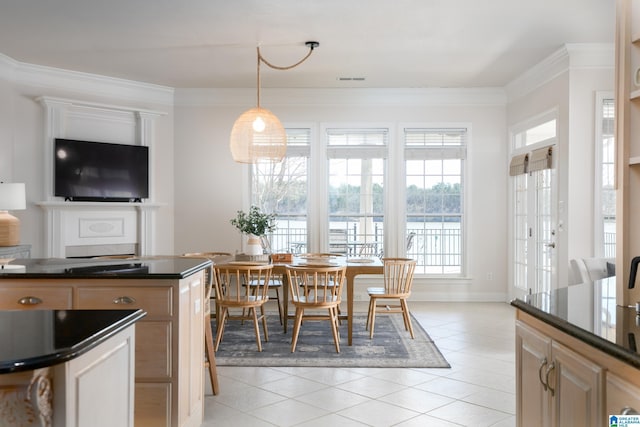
155	301
31	298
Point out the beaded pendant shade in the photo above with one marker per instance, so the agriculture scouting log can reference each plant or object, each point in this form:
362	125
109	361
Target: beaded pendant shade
258	135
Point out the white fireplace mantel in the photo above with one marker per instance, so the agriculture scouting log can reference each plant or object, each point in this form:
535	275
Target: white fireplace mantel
97	228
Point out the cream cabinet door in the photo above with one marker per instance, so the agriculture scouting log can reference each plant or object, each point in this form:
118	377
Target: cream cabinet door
577	385
533	356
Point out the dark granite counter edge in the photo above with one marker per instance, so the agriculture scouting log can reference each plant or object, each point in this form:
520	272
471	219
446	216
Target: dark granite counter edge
595	341
111	275
205	264
75	351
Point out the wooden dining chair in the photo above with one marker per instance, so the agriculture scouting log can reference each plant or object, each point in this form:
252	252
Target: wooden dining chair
232	294
398	279
314	288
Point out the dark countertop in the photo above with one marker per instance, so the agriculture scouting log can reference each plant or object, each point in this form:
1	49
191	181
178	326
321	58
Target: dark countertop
33	339
588	312
135	268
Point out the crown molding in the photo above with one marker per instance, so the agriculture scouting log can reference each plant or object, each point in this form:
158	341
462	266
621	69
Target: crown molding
419	97
49	78
571	56
8	68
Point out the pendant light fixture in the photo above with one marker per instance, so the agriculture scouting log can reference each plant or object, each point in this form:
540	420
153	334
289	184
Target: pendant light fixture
258	135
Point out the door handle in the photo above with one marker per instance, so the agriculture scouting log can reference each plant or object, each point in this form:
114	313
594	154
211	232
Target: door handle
543	363
551	245
550	368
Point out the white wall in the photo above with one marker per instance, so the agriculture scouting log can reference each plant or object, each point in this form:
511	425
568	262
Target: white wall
210	187
567	82
22	136
200	186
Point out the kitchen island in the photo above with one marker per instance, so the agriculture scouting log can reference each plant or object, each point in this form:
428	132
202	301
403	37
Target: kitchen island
169	349
48	358
577	360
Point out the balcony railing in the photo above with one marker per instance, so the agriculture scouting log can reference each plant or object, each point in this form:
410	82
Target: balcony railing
436	250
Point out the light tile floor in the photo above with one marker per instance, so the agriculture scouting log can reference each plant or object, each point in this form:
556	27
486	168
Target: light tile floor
477	339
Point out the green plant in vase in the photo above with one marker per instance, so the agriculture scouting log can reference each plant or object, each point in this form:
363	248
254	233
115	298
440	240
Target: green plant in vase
254	224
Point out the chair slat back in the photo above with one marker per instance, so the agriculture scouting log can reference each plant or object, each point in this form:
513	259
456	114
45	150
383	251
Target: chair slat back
209	276
316	285
398	275
231	280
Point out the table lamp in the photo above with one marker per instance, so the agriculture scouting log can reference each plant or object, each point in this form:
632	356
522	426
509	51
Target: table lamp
12	197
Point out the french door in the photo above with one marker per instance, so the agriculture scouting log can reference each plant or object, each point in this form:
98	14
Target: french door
534	246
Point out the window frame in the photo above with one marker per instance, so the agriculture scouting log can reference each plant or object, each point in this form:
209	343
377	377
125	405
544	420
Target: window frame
394	209
465	225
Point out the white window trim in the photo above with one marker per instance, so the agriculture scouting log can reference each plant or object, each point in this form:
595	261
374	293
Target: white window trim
322	163
401	214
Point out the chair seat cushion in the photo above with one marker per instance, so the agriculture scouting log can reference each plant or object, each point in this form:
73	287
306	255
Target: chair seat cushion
375	291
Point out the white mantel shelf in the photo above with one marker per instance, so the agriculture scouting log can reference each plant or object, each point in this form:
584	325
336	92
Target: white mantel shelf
100	205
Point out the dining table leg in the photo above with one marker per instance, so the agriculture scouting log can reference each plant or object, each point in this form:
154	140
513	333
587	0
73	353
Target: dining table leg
350	280
285	302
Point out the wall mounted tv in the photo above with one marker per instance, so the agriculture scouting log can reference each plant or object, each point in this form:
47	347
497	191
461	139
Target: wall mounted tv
99	171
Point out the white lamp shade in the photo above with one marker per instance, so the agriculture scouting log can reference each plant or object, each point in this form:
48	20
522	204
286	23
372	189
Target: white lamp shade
258	135
12	196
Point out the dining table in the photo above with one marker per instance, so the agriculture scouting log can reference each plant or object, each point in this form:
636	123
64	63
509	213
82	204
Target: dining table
356	266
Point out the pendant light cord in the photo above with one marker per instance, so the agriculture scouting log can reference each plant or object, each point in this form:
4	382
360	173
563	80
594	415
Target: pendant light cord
311	45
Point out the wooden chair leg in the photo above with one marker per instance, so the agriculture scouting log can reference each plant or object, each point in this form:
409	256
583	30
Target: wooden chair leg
264	323
256	326
334	327
224	312
296	328
407	317
371	317
370	312
279	305
210	354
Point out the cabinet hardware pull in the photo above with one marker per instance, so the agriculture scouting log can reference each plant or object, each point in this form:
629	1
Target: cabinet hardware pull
124	300
29	301
551	367
542	365
628	410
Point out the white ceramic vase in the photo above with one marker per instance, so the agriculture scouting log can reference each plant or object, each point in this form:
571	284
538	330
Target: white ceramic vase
253	245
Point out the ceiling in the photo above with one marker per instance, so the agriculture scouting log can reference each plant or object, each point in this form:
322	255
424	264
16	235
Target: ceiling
212	43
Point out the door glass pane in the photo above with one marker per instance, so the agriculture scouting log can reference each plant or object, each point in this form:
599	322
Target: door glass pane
544	238
521	231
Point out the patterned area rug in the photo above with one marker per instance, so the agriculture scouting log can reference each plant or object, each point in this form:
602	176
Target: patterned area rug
391	346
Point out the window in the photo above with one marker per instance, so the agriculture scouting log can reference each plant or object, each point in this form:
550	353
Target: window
535	134
434	163
605	180
282	188
356	176
333	195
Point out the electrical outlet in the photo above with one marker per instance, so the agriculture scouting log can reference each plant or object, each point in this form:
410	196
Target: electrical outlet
490	277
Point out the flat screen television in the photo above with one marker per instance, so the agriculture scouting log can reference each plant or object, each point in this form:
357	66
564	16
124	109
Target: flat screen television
99	171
